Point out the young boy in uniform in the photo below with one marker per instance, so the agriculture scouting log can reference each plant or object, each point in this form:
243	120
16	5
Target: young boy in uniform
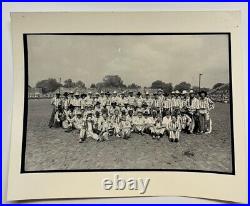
59	117
139	123
115	119
159	127
88	130
125	126
166	121
78	121
150	122
174	129
67	123
105	127
186	122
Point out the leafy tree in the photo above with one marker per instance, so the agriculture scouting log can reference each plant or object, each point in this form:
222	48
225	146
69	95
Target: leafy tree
205	89
48	85
182	86
113	81
217	85
99	85
133	86
196	89
80	84
68	83
158	84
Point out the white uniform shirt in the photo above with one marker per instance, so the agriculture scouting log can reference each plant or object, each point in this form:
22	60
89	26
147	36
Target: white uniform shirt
56	101
206	104
148	101
193	104
139	101
174	126
150	121
166	121
131	100
76	102
167	103
89	101
139	120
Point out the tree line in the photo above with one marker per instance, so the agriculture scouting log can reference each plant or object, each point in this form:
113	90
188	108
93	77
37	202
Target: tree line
115	81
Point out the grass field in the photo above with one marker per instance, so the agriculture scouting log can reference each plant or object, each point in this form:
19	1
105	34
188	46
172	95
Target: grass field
53	149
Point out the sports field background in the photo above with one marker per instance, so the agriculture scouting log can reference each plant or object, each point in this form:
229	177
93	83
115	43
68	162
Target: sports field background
53	149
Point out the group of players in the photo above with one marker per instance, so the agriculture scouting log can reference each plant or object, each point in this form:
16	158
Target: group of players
104	114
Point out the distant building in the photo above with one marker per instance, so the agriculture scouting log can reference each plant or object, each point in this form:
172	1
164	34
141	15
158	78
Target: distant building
35	92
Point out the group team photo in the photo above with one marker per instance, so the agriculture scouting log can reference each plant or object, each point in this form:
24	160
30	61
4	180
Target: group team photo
128	102
104	114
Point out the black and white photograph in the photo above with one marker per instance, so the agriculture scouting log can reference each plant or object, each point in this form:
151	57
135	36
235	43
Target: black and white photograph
121	102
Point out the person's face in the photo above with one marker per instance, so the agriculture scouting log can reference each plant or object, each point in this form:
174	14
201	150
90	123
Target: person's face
78	116
139	114
104	115
130	112
203	95
89	118
174	119
131	94
191	95
97	114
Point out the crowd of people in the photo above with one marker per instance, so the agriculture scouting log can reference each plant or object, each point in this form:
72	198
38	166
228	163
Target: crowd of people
105	114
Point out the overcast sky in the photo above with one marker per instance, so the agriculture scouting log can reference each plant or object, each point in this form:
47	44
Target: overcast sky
138	59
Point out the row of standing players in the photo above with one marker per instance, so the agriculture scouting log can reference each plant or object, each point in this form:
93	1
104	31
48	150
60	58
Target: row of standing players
102	115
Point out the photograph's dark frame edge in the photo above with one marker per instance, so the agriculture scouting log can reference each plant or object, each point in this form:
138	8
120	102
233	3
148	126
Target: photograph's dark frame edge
25	114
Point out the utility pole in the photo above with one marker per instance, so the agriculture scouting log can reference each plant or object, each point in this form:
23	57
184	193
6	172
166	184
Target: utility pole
60	85
200	82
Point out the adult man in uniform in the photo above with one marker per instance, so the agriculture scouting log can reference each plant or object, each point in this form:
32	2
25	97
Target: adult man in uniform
56	101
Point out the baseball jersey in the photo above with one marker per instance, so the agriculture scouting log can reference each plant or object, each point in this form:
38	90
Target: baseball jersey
174	126
206	103
56	101
166	121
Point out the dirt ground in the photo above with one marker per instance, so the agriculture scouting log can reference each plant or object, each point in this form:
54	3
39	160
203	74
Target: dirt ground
53	149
